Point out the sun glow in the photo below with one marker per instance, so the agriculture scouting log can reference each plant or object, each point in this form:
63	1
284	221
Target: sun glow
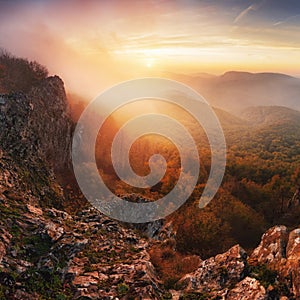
149	63
113	43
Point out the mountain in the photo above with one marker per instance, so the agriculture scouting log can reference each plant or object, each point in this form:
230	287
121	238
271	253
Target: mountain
270	115
45	252
53	245
235	91
273	129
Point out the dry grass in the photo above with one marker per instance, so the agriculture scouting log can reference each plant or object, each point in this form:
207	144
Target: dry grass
172	265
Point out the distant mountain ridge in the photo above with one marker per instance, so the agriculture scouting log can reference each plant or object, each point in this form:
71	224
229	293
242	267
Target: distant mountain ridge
236	75
235	91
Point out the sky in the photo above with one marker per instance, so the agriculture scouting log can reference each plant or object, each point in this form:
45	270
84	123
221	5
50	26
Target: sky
93	44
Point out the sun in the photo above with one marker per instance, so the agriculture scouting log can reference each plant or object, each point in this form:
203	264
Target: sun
149	63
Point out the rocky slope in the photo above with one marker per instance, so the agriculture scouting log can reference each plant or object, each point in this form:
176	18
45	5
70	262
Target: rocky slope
47	253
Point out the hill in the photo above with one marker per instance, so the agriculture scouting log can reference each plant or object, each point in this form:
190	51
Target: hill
235	91
270	115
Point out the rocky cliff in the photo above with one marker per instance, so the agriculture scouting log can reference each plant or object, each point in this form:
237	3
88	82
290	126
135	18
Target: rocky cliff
47	253
36	125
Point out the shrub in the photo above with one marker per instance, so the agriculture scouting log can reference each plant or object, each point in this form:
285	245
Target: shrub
122	289
19	74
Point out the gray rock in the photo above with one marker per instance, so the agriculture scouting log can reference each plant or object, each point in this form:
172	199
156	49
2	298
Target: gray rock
248	289
279	250
215	273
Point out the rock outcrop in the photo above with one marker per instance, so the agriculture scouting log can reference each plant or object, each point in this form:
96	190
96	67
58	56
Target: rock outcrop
279	250
37	125
35	142
216	273
272	249
271	271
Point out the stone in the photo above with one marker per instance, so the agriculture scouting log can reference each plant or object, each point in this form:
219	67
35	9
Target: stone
35	210
271	250
54	231
217	272
85	281
293	245
5	236
23	265
280	251
292	265
247	289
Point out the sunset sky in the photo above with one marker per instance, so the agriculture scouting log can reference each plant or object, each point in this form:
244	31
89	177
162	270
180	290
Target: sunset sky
93	44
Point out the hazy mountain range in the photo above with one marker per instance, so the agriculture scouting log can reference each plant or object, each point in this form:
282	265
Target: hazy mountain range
234	91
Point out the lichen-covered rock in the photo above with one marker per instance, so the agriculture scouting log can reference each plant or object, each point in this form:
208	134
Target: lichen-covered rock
215	273
88	255
37	125
35	143
35	210
114	263
292	266
54	231
271	250
279	250
247	289
293	245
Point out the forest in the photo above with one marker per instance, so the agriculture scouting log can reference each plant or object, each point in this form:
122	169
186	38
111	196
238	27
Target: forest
262	176
260	187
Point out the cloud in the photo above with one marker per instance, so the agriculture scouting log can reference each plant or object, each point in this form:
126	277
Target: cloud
113	40
286	20
245	12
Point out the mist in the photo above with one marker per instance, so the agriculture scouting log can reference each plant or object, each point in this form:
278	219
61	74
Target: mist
68	42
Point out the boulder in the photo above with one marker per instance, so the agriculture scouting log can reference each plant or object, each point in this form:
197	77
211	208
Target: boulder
247	289
271	250
215	273
280	251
